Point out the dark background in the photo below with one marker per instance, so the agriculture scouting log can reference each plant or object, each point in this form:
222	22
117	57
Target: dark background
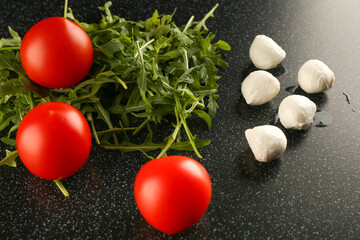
311	192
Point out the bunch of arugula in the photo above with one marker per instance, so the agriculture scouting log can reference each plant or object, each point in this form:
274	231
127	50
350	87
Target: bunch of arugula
144	73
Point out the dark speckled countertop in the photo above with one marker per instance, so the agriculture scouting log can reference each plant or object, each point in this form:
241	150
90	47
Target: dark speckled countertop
311	192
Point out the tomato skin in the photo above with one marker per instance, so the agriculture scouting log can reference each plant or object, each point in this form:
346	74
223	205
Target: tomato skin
56	53
53	140
172	193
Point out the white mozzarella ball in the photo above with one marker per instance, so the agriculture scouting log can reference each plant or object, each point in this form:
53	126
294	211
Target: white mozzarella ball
314	76
297	112
267	142
260	87
265	53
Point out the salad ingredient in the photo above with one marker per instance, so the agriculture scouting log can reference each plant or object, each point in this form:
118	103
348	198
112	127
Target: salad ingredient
297	112
265	53
144	73
315	76
56	53
53	140
9	160
267	142
172	193
260	87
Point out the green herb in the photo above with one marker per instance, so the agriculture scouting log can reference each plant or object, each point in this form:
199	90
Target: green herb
9	160
144	73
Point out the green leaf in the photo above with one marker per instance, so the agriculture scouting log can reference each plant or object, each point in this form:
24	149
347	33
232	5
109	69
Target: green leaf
111	47
15	39
184	39
204	116
141	77
223	45
221	63
9	160
186	146
106	10
5	121
212	105
144	73
9	141
170	55
201	24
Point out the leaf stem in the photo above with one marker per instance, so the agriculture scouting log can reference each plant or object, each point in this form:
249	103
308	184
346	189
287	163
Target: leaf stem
65	8
61	187
143	46
90	118
172	136
209	14
107	120
121	82
188	24
29	99
84	83
133	148
93	92
143	124
190	136
142	82
115	130
20	115
170	141
178	111
10	48
186	60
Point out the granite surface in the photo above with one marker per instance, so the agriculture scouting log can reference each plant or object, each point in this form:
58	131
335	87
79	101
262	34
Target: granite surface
311	192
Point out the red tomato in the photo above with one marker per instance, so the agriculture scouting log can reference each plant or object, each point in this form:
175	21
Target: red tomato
56	53
53	140
172	193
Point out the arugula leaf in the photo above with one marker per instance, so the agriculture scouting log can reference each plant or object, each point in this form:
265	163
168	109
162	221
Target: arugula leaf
9	141
223	45
9	160
14	41
204	116
144	73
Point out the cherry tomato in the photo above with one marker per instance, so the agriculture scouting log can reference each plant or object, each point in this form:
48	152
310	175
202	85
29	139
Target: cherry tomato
56	53
172	193
53	140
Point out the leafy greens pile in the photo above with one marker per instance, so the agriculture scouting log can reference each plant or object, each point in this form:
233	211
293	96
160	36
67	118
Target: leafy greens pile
144	73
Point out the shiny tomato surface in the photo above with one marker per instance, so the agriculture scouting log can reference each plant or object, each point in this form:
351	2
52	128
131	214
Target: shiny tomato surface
172	193
56	53
53	140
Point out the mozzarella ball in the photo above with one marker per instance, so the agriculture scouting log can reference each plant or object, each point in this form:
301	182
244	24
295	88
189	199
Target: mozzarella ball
296	112
260	87
265	53
267	142
315	77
